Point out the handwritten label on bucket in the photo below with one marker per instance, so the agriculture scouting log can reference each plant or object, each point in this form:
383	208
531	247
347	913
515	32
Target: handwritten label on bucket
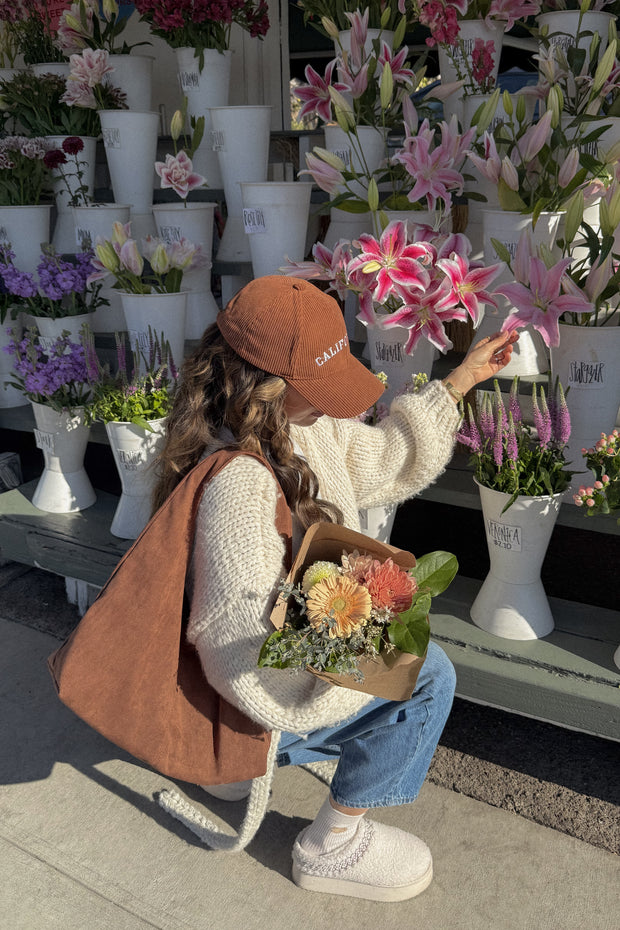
44	441
254	221
504	536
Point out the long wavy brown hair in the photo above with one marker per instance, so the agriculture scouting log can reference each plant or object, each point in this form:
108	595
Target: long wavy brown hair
218	390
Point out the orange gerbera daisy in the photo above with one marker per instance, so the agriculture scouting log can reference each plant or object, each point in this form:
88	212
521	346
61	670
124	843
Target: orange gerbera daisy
342	598
389	586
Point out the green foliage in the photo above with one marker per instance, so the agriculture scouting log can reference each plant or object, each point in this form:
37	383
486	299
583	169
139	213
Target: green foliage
34	100
137	398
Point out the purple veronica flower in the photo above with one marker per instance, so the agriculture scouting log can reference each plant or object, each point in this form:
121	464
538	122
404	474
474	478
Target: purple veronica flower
512	445
498	448
542	418
513	402
562	429
487	423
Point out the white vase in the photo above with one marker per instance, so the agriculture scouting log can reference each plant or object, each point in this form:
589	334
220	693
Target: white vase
91	222
192	221
386	348
64	486
164	313
415	218
378	522
469	31
275	219
134	75
130	140
241	137
512	602
562	28
586	362
134	450
530	355
63	238
51	330
9	396
26	228
60	68
205	89
364	156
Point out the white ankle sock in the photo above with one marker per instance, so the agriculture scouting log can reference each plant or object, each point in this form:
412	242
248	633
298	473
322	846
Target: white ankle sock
329	830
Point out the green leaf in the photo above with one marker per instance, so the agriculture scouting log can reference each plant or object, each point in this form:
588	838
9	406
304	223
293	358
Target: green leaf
509	199
435	571
411	632
502	252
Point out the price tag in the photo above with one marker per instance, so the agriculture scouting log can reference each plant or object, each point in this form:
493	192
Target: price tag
44	441
217	140
504	536
170	234
111	138
46	343
254	221
189	80
586	374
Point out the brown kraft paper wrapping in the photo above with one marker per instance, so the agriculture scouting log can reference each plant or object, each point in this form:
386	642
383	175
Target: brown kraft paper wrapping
391	675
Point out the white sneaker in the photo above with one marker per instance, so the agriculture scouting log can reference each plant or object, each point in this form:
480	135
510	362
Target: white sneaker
235	791
380	863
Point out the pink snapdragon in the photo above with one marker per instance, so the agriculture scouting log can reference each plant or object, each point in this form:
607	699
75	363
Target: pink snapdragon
177	173
482	60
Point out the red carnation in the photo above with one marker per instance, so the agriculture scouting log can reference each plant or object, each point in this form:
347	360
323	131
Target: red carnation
54	158
72	145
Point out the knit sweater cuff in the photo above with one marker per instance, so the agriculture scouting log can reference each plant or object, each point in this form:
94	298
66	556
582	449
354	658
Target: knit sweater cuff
441	406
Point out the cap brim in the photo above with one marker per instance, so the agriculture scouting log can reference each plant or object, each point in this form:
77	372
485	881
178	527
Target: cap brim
346	393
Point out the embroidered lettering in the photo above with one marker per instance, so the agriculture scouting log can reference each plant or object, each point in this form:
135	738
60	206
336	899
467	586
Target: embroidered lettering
332	351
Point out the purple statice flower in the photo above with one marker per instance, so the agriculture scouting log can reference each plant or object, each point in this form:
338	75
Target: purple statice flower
542	418
561	426
512	444
19	283
513	401
498	445
487	422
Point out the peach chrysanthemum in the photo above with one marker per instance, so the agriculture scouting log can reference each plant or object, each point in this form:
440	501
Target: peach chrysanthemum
342	598
390	587
357	566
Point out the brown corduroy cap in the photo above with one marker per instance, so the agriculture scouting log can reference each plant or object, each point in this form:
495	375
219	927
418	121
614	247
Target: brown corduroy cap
290	328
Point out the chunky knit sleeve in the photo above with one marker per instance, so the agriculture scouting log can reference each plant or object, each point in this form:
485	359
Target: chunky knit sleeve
237	563
393	460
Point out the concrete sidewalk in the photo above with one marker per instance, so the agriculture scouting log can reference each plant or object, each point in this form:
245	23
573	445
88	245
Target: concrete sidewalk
85	846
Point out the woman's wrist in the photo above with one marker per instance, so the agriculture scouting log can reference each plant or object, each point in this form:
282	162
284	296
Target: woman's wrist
460	382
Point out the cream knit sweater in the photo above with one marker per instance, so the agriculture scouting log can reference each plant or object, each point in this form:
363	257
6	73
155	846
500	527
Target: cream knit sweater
238	555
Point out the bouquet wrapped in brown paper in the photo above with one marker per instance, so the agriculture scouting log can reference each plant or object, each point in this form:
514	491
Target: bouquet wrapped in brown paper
354	612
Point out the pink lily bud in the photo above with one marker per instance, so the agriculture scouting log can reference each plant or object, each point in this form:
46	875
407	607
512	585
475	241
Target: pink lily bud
509	173
130	258
120	233
569	167
535	137
107	255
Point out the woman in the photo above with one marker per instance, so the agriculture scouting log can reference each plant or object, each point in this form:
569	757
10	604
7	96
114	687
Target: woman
275	376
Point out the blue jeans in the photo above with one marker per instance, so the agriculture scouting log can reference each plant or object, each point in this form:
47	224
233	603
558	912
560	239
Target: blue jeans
385	750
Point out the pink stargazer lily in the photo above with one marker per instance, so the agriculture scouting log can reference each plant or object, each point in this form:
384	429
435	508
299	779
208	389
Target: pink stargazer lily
433	166
396	264
400	75
328	265
470	283
359	34
316	93
424	316
542	302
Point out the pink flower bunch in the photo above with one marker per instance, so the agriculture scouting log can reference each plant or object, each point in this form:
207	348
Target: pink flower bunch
603	496
433	165
375	83
441	19
482	61
88	82
423	283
